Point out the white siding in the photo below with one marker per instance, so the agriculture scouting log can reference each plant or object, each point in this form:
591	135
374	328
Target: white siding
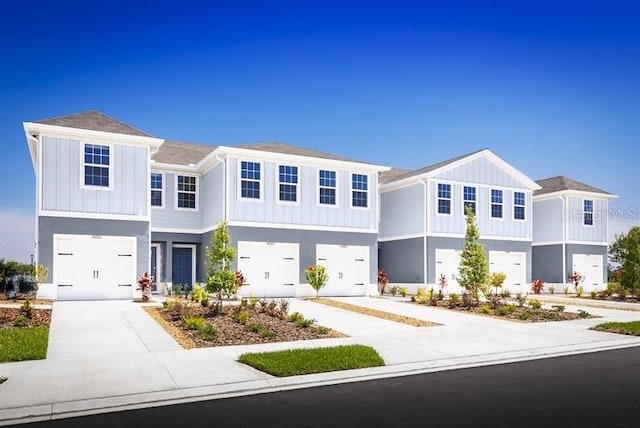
547	220
402	211
577	230
481	171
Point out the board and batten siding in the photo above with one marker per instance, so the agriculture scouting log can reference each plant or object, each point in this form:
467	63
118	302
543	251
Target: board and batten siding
212	196
547	220
481	171
402	211
577	230
306	211
62	169
455	223
169	216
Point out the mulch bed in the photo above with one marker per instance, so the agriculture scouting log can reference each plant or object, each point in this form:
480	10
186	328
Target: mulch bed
232	332
39	317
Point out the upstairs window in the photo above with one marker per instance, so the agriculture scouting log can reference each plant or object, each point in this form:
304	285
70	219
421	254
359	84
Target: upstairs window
327	187
496	203
359	190
157	189
588	212
444	198
469	198
186	191
250	180
288	180
518	205
97	160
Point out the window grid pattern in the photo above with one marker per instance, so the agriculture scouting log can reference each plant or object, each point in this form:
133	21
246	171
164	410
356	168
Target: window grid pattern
444	198
156	189
518	205
186	192
496	203
588	212
288	178
327	187
469	198
250	180
360	190
97	159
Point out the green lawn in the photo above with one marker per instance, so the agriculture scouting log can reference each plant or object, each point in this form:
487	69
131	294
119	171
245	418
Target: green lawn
315	360
631	327
20	344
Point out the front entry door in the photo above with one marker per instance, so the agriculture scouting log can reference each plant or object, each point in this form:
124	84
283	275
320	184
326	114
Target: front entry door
182	266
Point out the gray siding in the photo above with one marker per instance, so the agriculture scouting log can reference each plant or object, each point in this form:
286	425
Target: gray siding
307	241
62	169
402	211
589	250
481	171
403	260
306	211
169	216
455	222
547	220
577	230
212	196
547	263
48	226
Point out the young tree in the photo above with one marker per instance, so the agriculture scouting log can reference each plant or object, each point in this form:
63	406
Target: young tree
625	250
317	277
474	268
221	278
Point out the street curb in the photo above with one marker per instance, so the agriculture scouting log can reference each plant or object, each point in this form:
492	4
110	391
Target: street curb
76	408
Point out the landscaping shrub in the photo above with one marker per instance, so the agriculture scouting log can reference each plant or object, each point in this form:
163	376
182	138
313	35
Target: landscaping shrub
535	304
21	321
525	315
559	308
454	299
506	310
485	309
298	319
26	309
403	291
583	314
193	322
208	332
537	286
521	299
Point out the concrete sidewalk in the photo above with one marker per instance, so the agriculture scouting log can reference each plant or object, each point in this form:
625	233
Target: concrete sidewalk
108	356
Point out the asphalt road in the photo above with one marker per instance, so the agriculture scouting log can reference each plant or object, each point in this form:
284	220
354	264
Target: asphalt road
590	390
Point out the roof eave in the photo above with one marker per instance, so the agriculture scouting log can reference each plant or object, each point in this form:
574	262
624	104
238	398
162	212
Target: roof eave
579	193
33	128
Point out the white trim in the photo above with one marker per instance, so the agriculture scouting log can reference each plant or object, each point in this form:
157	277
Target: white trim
318	204
163	190
593	220
225	189
599	244
475	201
278	183
158	247
193	261
486	237
76	133
239	180
575	193
149	182
351	190
565	227
514	205
39	179
450	198
83	164
178	230
266	226
98	216
175	193
543	243
491	204
401	237
175	169
425	225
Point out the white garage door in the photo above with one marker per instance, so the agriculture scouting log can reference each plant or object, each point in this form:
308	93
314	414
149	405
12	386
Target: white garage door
514	266
270	269
448	264
589	265
94	267
348	269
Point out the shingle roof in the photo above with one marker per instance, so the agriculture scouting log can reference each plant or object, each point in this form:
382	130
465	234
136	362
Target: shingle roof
175	153
94	121
391	175
387	178
278	147
560	183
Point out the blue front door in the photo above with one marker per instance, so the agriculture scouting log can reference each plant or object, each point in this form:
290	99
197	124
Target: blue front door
182	266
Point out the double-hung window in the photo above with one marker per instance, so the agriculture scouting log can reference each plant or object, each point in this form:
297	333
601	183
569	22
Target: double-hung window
359	190
469	199
327	187
444	198
97	160
518	205
187	191
588	212
157	189
250	180
288	183
496	203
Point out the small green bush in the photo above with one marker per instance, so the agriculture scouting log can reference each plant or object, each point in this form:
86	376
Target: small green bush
208	332
241	317
20	321
594	294
583	314
579	290
506	310
484	309
205	301
454	299
394	290
322	330
168	304
559	308
194	322
295	317
535	304
403	291
524	315
252	301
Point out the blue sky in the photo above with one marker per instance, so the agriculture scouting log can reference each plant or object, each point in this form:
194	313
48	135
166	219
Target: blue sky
551	87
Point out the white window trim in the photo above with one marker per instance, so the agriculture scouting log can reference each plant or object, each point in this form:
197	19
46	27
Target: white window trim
593	215
175	192
464	201
351	190
158	247
261	181
82	144
491	204
437	195
194	280
277	186
336	188
163	190
513	200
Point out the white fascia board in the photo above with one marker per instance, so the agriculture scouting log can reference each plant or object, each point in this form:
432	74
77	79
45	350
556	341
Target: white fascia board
485	237
93	216
168	167
575	193
66	132
265	226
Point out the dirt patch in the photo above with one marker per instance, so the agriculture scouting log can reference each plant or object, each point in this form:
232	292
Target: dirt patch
255	327
375	313
39	317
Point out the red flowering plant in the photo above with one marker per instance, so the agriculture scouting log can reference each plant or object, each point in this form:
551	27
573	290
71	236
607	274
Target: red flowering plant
576	278
442	282
144	285
537	286
383	280
239	280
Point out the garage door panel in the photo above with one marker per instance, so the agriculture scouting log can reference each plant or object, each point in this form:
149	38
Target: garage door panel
513	265
448	264
590	265
270	269
347	267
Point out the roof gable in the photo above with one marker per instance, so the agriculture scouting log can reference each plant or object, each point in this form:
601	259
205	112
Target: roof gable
93	120
562	183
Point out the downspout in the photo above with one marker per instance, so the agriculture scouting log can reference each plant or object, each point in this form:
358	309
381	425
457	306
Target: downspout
225	208
564	239
425	260
36	158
